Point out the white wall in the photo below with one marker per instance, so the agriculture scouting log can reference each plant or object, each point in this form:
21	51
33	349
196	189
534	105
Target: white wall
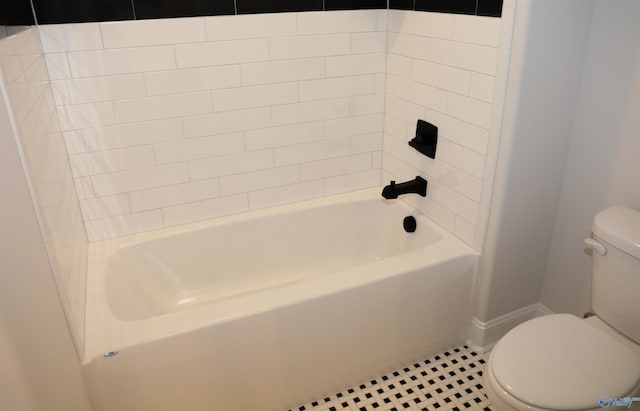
449	70
549	47
39	368
603	167
23	74
177	120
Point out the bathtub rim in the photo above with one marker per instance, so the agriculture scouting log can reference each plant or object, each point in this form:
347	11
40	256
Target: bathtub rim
104	331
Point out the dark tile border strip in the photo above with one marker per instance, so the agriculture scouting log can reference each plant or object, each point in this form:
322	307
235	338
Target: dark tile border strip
81	11
447	6
354	4
16	13
490	8
154	9
402	4
76	11
277	6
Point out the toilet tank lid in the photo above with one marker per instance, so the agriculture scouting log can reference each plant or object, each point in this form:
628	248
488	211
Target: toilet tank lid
620	227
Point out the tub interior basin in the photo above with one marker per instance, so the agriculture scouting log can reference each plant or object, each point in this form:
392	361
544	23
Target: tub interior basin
222	260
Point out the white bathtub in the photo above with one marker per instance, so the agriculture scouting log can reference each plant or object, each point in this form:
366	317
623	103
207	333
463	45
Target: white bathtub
273	308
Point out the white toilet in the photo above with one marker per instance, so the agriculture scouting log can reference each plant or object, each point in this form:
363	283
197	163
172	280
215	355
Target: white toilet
562	362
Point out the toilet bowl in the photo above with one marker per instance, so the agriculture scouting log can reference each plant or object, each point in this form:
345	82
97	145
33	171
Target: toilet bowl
562	362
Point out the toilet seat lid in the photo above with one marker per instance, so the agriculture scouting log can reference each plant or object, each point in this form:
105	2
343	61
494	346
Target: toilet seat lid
569	364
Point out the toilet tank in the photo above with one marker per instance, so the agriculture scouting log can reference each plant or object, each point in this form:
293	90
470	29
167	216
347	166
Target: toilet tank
616	274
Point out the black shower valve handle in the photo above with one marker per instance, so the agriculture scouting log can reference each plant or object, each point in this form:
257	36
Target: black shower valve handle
426	139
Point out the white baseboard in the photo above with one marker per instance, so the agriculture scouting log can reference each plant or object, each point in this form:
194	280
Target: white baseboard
484	335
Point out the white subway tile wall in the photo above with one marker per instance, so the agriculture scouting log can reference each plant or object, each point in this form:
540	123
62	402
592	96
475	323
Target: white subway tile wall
171	121
450	70
162	117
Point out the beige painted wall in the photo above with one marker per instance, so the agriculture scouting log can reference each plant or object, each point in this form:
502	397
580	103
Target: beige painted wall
39	369
570	148
603	167
549	47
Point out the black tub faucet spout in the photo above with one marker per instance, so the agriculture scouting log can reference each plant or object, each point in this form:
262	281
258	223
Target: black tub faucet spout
417	186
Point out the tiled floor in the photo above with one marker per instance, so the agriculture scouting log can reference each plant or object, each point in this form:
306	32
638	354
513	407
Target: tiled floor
451	380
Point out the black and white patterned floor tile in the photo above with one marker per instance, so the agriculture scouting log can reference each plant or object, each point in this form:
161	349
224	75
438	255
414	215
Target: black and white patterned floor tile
449	381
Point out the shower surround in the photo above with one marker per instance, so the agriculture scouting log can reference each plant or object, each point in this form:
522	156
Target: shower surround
158	123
